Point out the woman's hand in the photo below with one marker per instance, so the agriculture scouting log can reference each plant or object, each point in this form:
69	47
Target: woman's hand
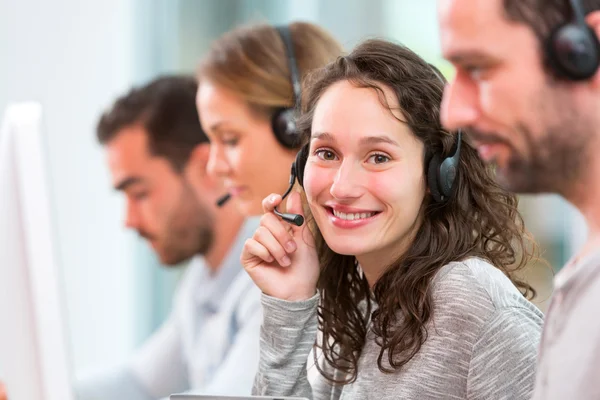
281	258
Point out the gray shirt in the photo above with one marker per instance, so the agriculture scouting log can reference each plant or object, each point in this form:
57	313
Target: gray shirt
482	344
208	345
569	360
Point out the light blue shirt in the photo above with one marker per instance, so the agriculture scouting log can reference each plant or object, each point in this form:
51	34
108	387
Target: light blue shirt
208	345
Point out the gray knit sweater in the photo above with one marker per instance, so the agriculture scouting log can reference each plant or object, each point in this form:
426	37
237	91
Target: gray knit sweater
482	343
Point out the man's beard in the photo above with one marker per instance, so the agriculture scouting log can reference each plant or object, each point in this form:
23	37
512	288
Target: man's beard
554	157
189	232
555	161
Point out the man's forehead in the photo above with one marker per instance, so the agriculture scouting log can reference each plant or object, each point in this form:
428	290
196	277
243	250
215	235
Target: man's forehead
131	138
127	154
129	146
473	29
470	23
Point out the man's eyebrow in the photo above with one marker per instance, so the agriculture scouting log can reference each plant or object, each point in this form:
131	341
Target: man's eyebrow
127	182
467	56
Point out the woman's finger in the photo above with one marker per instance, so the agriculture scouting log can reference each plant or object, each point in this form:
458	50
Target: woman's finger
270	202
280	230
264	236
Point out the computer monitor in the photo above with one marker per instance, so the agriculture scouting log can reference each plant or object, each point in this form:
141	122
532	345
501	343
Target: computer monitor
34	362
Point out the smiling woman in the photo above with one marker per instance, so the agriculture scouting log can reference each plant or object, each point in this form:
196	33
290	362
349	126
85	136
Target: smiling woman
352	173
412	286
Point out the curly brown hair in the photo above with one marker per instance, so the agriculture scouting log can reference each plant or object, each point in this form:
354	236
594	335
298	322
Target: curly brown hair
480	220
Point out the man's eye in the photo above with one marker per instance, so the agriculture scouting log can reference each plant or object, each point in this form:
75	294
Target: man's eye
140	195
474	71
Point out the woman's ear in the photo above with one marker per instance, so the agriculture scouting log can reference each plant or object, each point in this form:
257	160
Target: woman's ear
196	167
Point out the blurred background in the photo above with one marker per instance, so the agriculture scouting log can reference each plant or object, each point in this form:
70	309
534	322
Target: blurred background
75	57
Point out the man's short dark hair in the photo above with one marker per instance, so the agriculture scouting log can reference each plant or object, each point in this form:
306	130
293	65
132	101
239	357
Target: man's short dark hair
166	108
543	16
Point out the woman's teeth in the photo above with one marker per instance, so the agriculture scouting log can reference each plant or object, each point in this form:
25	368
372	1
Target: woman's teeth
352	216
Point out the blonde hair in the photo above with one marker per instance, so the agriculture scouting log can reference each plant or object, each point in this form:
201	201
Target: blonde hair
251	61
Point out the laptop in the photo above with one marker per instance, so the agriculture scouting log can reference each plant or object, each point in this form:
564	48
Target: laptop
208	397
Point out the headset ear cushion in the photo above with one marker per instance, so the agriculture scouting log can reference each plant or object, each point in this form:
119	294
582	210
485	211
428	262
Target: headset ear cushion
573	51
300	164
284	127
432	178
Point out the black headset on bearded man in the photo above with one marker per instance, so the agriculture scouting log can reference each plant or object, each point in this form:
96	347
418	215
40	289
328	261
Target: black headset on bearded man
572	48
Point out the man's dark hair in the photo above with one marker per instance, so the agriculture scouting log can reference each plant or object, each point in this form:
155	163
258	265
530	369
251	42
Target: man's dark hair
543	16
166	108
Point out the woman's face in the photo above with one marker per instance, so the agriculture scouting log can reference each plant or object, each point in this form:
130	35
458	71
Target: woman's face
244	151
364	175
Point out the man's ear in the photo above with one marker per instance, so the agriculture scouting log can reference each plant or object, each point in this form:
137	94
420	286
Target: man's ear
593	20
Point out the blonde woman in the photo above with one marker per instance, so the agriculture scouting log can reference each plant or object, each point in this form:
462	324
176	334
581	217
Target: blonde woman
249	89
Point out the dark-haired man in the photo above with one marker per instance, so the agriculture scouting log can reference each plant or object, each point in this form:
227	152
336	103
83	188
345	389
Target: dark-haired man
530	94
157	155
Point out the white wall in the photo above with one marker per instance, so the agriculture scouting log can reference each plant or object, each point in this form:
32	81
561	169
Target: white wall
75	56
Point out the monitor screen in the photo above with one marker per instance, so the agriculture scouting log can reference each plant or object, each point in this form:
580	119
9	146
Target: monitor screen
34	363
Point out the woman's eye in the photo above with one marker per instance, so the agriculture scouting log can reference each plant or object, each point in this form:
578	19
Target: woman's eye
379	159
326	155
230	141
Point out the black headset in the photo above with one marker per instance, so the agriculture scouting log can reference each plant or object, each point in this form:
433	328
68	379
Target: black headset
573	48
441	172
283	121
